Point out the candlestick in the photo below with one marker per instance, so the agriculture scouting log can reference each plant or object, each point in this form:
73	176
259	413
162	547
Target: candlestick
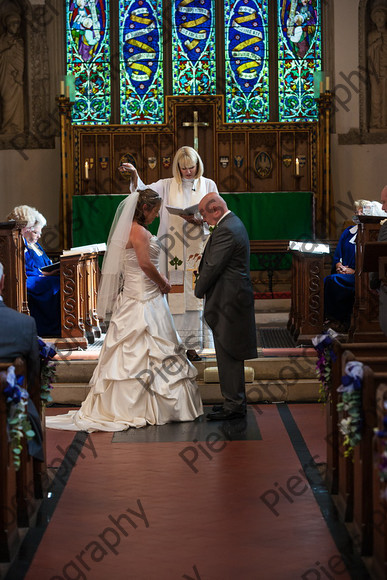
62	88
86	170
297	166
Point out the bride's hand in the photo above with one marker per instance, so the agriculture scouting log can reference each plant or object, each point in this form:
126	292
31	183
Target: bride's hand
166	287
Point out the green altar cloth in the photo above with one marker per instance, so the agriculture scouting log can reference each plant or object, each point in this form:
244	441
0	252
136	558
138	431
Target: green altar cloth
278	215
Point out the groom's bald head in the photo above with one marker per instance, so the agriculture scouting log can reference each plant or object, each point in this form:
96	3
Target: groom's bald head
212	207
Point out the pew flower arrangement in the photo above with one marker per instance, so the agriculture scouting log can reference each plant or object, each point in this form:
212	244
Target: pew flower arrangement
323	344
350	406
18	423
47	370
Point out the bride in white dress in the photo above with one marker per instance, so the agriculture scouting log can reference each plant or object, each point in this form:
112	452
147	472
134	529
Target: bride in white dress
143	376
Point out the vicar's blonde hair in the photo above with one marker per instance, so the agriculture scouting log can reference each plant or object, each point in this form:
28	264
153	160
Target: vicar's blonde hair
186	157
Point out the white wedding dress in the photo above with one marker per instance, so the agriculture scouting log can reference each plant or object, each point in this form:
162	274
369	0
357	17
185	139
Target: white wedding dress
143	376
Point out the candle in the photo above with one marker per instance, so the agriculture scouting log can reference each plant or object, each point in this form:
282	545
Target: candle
62	88
67	91
297	166
327	84
321	87
86	170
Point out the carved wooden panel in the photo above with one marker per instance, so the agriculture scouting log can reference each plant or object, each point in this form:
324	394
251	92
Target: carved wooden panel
12	258
307	310
365	320
79	286
71	297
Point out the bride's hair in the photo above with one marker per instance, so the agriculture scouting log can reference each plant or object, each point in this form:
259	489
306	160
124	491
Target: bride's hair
150	199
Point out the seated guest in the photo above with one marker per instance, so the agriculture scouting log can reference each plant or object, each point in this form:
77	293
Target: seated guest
19	339
339	287
18	336
43	288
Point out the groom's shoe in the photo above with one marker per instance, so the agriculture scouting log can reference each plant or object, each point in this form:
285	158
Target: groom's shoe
225	415
218	407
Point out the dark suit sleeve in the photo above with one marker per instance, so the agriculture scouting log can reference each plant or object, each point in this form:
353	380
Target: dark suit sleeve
215	260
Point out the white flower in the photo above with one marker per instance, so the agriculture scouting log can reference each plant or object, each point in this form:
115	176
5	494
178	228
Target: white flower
345	426
321	337
354	369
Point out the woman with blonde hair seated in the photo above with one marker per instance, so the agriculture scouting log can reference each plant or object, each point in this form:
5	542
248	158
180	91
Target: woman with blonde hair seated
43	288
339	287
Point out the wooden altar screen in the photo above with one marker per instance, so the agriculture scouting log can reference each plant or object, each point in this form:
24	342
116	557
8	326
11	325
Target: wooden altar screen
246	157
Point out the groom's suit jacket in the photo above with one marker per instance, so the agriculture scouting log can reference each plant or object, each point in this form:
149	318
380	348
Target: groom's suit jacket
224	281
18	337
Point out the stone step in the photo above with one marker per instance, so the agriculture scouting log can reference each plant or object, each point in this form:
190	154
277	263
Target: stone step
264	390
273	312
273	305
280	367
287	378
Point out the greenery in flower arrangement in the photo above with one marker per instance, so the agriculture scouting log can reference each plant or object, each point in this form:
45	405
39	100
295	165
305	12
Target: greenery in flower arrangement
350	407
18	423
323	344
47	370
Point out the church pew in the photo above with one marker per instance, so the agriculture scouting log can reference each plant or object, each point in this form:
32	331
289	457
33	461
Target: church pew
362	351
356	478
332	419
345	464
31	473
9	533
379	552
12	258
365	319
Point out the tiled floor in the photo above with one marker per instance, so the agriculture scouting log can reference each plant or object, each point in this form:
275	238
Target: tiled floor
212	501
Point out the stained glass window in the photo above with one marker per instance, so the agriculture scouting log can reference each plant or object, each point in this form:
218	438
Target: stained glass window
193	47
141	61
88	59
246	61
193	57
299	56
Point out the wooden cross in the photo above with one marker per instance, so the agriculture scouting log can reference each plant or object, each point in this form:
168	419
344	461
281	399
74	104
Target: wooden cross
195	124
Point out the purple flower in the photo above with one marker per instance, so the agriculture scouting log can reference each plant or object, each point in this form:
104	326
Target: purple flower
46	350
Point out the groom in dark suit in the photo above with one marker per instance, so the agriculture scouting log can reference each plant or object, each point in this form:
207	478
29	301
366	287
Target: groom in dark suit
224	282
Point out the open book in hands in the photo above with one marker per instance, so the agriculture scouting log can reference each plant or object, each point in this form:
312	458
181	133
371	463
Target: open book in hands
51	267
191	210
